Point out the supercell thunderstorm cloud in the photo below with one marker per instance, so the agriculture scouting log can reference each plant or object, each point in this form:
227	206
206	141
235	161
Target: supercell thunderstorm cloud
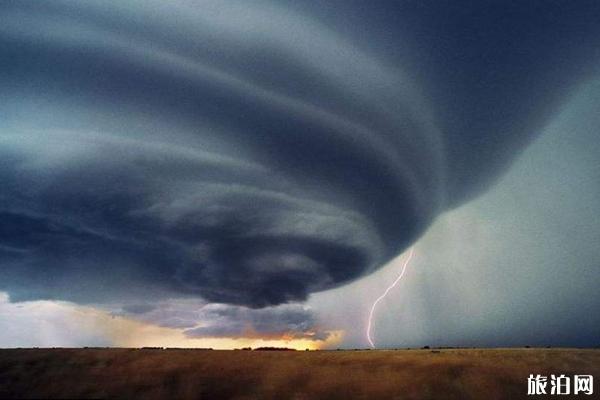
252	153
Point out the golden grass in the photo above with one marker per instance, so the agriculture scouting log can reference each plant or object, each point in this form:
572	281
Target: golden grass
195	374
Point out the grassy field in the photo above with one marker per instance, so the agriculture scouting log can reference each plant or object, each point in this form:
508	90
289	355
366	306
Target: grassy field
205	374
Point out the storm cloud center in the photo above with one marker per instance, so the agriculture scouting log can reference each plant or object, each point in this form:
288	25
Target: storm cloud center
206	154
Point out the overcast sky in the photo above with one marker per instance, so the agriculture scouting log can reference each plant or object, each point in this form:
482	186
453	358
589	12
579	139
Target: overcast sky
517	266
220	174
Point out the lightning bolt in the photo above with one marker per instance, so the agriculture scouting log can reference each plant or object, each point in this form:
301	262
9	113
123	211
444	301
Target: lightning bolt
410	254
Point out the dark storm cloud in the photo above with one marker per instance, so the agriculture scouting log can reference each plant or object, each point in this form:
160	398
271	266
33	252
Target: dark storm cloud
170	313
292	321
252	153
289	321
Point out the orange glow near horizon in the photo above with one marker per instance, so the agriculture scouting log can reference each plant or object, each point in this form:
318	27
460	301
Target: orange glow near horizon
67	324
125	332
143	335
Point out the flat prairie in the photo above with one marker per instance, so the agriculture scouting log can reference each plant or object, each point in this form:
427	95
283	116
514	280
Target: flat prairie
210	374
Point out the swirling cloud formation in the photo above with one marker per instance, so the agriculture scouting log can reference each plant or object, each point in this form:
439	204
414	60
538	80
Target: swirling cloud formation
252	153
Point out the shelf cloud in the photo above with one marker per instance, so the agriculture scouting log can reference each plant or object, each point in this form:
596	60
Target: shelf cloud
252	153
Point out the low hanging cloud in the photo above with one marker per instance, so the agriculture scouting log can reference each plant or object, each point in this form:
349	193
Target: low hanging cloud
171	313
248	153
42	323
285	321
202	320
